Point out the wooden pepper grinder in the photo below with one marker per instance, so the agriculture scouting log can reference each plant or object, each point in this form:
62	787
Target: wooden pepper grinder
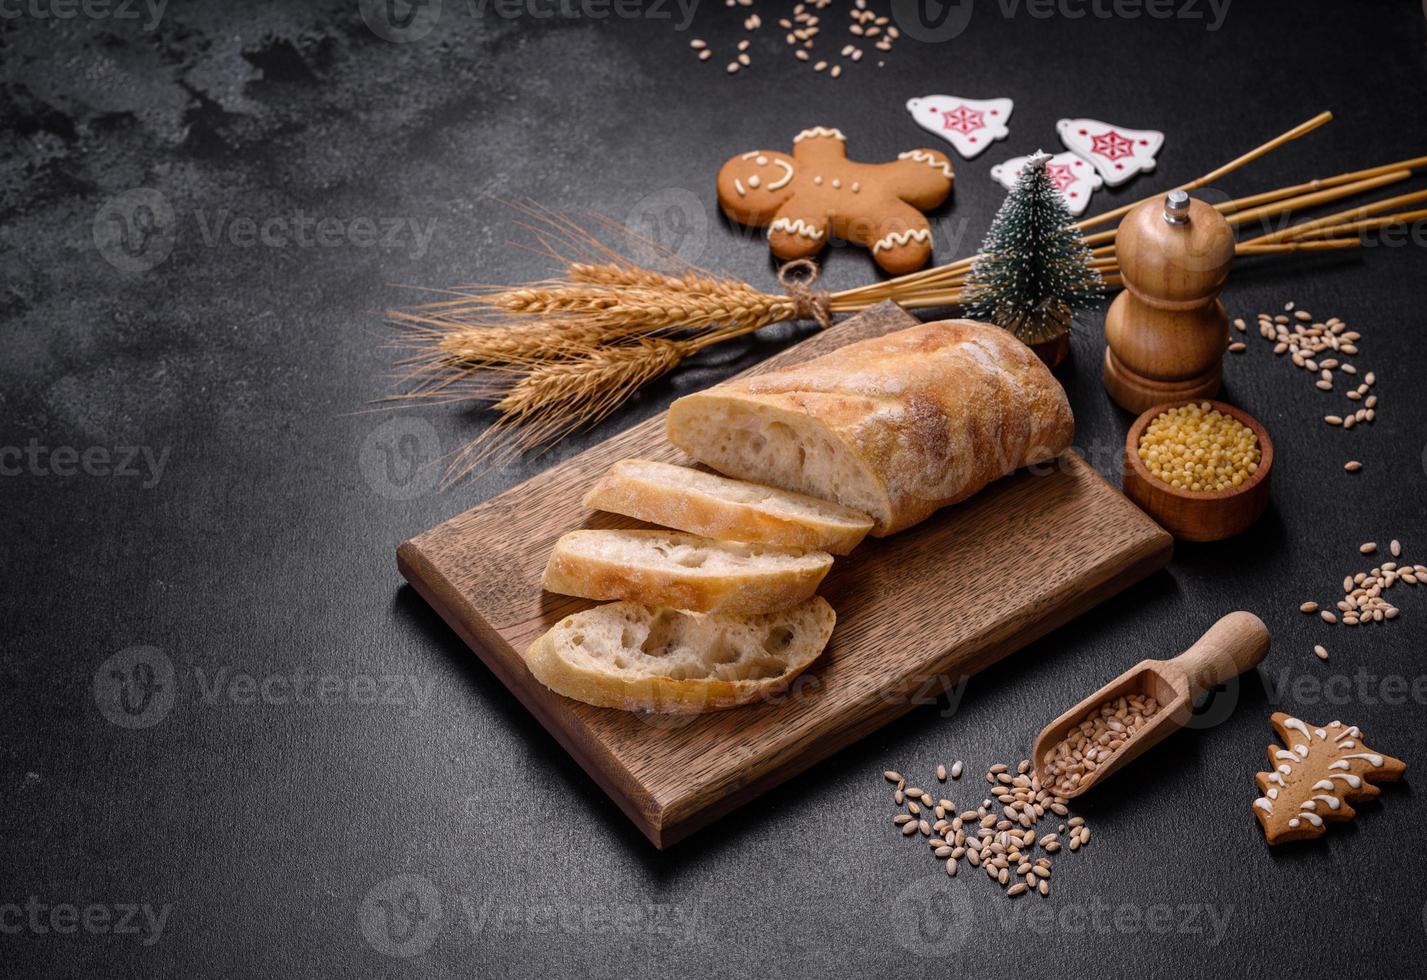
1166	332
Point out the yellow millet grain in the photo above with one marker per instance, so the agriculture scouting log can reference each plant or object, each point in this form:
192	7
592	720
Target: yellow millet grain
1198	448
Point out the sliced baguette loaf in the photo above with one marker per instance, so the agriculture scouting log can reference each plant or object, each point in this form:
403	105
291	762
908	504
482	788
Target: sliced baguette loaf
628	656
896	426
683	571
730	510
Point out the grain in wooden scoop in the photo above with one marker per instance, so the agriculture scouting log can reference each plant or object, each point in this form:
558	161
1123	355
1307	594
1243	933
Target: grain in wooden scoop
1095	739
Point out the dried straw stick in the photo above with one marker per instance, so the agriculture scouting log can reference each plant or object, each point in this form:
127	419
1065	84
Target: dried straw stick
1352	214
1302	129
1357	227
1327	245
937	277
1314	199
561	354
951	294
1272	204
1281	203
1400	170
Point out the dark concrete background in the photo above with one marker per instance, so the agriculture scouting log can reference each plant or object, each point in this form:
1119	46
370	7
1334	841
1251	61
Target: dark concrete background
266	834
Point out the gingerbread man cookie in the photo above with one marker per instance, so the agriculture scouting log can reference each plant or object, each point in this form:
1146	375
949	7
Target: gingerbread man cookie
816	192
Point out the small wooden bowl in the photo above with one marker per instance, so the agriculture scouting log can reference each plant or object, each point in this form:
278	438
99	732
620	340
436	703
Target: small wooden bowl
1205	515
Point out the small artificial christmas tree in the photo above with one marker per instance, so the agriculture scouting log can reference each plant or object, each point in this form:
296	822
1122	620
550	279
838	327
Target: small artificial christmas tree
1033	273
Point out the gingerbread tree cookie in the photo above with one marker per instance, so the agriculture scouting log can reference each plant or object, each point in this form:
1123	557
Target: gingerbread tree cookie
1315	778
817	192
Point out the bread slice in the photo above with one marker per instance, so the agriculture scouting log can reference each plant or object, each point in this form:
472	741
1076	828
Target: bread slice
730	510
628	656
683	571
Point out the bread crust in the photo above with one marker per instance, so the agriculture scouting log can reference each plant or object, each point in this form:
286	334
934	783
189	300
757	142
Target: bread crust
607	688
577	567
634	488
927	416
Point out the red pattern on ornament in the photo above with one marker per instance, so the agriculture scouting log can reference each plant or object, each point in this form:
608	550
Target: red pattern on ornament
1111	145
1060	175
963	120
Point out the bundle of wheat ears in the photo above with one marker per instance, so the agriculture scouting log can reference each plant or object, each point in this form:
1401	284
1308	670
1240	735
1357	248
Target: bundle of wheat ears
561	354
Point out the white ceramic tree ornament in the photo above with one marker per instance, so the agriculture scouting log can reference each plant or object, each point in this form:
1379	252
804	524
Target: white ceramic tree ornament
1117	152
969	125
1073	177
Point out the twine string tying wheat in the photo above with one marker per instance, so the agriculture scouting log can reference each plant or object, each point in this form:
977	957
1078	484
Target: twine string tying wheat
807	304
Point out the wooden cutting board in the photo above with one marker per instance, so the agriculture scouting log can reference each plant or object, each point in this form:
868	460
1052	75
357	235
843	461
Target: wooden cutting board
929	606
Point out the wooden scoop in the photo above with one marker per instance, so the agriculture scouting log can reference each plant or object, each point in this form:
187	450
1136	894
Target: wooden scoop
1233	645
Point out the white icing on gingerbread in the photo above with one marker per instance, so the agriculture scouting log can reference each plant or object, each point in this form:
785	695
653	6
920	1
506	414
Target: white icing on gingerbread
782	181
754	181
922	156
738	186
1373	758
795	226
819	131
1298	726
898	238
